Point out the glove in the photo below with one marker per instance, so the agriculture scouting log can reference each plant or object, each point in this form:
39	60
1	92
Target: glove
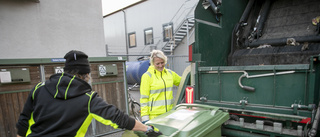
145	119
144	122
152	133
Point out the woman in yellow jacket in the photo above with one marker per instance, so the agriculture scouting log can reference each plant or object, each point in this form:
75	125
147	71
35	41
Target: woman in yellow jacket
156	87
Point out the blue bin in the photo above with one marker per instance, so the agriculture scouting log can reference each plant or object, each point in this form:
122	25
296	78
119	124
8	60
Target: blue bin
135	70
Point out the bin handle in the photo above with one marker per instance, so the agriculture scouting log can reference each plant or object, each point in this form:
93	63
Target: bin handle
256	76
195	105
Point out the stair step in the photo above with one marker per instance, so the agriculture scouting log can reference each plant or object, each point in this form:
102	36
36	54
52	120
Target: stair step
172	43
178	40
166	51
178	36
191	21
181	34
189	25
175	43
168	48
183	30
185	27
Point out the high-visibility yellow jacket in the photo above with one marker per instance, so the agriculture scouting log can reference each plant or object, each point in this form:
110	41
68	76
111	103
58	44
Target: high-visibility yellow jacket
156	91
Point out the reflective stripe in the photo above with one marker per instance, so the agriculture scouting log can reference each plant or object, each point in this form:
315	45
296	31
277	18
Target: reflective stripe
31	122
169	71
66	92
35	89
144	104
90	95
104	121
160	90
144	96
84	127
58	85
161	103
148	73
157	103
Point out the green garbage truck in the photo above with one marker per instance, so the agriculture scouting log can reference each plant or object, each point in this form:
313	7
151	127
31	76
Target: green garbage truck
255	64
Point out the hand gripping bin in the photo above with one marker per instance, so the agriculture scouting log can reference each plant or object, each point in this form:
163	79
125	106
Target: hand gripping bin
191	120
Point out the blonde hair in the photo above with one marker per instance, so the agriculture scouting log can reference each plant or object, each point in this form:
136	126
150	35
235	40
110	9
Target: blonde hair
157	54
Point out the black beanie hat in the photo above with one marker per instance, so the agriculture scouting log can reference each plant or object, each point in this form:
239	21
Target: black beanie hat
77	60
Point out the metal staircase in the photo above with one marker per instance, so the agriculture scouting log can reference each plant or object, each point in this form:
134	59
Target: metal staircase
179	34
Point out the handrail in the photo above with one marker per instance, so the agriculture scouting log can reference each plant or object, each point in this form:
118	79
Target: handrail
176	17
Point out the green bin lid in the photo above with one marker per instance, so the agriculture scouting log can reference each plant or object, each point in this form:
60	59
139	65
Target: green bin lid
190	120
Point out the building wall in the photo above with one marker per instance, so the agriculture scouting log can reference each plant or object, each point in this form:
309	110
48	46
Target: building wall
148	14
50	28
180	58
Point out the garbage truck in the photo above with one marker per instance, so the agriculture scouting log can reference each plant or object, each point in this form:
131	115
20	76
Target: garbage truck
255	71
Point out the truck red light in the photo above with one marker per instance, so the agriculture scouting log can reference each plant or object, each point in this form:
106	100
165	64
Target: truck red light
190	53
189	94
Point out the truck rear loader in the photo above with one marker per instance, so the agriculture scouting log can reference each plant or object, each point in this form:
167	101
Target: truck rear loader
257	61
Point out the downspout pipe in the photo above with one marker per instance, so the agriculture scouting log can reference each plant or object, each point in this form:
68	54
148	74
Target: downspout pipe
126	34
282	41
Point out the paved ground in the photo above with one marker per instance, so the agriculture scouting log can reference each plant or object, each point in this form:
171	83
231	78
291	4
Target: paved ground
135	94
117	134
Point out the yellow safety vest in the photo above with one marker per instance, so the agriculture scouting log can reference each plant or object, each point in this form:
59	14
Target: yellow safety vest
156	91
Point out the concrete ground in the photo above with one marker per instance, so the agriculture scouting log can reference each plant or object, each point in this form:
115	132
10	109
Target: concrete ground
117	134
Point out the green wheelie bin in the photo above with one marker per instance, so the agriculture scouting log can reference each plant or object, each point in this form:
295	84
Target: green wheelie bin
191	120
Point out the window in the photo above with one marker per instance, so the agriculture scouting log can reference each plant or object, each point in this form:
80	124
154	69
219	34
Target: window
167	31
132	39
148	36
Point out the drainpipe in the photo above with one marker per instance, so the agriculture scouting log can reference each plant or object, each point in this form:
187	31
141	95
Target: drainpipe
107	50
125	31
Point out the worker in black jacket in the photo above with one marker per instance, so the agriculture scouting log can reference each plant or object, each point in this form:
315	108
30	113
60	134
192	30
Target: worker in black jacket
65	104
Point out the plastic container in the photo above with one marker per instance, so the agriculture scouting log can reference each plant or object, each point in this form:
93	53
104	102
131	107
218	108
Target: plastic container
135	70
191	120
